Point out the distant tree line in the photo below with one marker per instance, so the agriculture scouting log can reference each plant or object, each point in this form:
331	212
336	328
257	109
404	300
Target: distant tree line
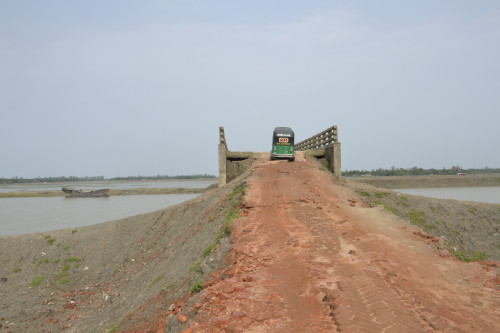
415	171
62	179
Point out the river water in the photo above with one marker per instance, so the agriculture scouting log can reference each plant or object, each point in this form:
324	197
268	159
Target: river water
28	215
479	194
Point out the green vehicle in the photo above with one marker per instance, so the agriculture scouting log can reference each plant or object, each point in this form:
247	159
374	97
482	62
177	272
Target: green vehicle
283	144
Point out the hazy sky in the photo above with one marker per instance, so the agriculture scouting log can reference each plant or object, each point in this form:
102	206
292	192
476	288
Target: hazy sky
119	88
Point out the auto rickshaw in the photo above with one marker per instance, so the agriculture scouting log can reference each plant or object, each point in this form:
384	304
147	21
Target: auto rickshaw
283	144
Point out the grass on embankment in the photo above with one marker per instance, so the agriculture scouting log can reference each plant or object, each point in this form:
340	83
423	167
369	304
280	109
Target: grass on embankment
470	229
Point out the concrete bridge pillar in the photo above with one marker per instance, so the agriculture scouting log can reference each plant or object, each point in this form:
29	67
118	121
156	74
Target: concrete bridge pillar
222	157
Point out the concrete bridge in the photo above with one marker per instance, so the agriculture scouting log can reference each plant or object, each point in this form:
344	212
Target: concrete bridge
324	146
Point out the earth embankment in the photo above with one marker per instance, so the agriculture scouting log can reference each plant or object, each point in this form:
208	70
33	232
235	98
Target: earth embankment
116	275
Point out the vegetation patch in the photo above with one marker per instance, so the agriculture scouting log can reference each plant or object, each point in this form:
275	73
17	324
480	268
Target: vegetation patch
196	287
195	266
72	259
37	281
49	240
43	261
416	217
155	281
387	208
61	274
364	194
472	210
381	194
112	329
65	280
17	270
476	256
236	198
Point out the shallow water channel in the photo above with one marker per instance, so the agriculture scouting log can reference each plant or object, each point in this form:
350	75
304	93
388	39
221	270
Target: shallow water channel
27	215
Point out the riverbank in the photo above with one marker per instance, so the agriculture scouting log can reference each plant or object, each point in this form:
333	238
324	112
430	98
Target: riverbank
436	181
113	192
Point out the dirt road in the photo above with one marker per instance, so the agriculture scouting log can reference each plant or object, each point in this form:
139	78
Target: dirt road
309	257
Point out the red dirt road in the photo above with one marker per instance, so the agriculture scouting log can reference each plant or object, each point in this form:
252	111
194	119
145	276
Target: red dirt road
308	257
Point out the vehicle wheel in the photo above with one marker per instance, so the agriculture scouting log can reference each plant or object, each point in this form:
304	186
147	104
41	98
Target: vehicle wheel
291	159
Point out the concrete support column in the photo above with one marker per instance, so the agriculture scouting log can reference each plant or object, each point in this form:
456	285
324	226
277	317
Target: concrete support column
332	155
222	164
336	160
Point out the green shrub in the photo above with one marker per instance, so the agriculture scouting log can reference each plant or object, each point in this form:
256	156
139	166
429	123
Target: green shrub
196	287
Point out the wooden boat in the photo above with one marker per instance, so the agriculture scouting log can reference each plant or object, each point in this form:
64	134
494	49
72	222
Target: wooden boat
85	194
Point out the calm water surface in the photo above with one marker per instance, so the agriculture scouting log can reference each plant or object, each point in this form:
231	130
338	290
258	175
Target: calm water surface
27	215
480	194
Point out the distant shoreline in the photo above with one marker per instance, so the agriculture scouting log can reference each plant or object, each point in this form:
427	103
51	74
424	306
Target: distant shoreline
112	192
435	181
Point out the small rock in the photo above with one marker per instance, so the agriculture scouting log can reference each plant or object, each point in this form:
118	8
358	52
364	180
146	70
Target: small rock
171	307
182	318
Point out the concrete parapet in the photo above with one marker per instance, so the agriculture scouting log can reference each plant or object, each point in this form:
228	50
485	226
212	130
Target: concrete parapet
232	163
324	145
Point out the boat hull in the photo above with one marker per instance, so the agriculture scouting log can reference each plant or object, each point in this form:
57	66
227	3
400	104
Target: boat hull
85	194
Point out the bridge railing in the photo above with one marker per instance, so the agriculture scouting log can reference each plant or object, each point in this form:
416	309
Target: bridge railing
325	139
324	145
